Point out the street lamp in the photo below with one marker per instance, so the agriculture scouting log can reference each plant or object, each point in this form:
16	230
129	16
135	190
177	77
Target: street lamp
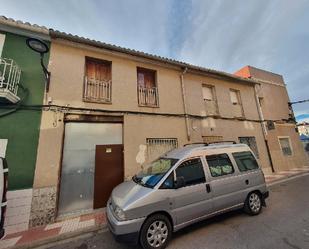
41	48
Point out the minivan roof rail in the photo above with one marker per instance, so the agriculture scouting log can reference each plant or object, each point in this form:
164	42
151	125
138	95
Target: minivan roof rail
215	142
221	142
202	143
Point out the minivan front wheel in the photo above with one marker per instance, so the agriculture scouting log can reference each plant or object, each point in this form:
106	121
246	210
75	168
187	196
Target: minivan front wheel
253	204
156	232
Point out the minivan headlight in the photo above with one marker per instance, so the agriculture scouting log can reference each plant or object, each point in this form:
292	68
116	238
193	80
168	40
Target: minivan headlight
119	213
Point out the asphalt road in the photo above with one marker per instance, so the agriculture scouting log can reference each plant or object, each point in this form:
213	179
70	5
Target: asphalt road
284	223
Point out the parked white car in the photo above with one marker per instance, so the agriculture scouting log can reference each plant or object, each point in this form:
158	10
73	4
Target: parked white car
3	189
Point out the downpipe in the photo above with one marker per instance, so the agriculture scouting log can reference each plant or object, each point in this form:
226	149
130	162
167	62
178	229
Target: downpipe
185	102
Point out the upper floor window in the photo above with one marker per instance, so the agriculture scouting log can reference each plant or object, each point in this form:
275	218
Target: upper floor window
285	146
192	171
219	165
98	81
210	100
147	88
236	101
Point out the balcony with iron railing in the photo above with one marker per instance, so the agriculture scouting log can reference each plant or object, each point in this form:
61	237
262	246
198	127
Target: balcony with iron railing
10	74
97	90
148	96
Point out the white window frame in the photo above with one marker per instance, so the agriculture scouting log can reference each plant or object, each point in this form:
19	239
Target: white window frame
291	147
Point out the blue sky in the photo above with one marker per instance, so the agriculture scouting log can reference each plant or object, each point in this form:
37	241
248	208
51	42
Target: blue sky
219	34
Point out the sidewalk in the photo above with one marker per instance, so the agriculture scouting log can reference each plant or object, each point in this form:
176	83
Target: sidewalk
91	222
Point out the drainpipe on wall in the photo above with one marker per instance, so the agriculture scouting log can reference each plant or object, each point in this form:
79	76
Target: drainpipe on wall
184	102
261	117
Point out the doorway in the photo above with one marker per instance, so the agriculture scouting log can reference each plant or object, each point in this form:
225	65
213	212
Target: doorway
91	156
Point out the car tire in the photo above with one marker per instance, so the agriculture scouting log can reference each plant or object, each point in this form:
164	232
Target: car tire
156	232
253	204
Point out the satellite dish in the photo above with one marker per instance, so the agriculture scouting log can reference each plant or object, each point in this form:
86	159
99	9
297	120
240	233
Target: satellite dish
37	45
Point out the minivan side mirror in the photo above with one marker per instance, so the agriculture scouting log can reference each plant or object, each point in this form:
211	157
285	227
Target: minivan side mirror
180	182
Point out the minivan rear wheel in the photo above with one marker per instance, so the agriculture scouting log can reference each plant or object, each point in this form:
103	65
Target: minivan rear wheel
253	204
156	232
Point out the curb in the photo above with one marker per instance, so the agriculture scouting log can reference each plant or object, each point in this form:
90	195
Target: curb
285	178
62	237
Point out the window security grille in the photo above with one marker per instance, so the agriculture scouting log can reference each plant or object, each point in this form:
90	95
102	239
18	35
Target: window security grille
158	146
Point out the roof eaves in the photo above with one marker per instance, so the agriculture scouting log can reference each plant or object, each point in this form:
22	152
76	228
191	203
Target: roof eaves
23	28
54	34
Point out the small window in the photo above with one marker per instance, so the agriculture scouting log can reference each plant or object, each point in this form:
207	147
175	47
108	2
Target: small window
169	182
234	95
251	142
237	108
219	165
245	161
208	94
158	146
285	146
192	171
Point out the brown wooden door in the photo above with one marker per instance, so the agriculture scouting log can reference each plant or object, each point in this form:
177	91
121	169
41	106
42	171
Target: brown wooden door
108	172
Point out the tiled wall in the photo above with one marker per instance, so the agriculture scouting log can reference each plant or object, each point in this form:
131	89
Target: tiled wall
18	210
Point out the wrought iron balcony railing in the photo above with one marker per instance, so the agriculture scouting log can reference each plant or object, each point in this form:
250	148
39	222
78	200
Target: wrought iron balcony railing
98	90
10	74
148	96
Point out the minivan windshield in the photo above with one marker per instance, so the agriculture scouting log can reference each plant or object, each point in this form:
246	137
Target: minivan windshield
153	173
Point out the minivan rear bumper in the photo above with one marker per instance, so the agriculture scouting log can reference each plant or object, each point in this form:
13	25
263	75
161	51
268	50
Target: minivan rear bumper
123	231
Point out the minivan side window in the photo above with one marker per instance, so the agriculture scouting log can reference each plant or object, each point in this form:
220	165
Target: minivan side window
192	171
245	161
219	165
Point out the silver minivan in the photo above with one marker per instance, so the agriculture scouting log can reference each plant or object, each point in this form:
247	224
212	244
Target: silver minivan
182	187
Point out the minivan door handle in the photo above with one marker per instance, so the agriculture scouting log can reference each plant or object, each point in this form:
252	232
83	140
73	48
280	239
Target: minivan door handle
247	182
208	188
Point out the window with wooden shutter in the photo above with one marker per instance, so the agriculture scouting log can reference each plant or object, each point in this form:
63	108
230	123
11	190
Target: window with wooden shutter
98	81
146	87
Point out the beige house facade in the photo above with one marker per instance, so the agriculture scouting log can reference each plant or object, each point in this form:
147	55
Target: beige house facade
286	150
103	96
109	111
